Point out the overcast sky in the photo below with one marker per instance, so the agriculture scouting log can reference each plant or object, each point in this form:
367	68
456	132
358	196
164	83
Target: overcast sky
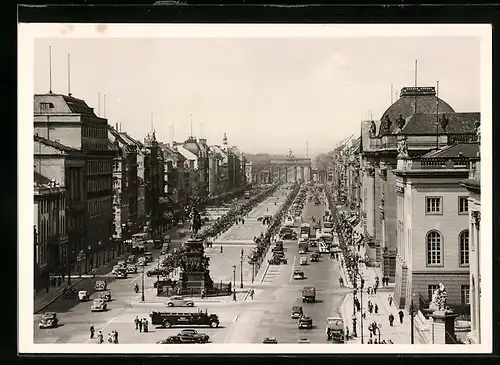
268	95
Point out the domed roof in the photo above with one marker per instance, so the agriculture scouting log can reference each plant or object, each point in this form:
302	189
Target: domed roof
425	98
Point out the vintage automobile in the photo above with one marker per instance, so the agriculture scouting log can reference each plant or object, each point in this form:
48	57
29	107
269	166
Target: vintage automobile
167	238
305	322
303	340
155	271
131	269
131	259
270	340
183	233
106	296
303	260
178	301
297	311
193	334
165	249
148	256
142	261
48	320
100	285
83	296
99	305
313	242
121	273
172	339
298	275
315	256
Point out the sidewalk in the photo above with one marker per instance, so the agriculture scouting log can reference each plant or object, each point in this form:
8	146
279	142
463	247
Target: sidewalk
43	299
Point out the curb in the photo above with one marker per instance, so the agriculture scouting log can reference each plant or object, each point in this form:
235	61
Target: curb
52	300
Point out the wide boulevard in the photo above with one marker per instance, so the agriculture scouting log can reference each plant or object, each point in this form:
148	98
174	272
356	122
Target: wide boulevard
245	320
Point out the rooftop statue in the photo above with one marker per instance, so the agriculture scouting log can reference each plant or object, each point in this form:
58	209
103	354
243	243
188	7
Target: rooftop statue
290	154
373	128
402	148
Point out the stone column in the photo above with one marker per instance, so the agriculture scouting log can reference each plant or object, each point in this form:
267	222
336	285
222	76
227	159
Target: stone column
286	174
295	173
302	174
370	200
443	328
401	274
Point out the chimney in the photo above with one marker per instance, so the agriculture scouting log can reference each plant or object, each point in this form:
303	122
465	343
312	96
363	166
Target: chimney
116	126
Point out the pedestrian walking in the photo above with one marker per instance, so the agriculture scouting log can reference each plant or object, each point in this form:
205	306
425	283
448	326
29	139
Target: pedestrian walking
376	308
370	341
145	325
370	308
401	315
136	322
116	337
140	325
221	249
92	331
369	290
390	300
375	342
100	337
391	320
375	290
110	338
251	293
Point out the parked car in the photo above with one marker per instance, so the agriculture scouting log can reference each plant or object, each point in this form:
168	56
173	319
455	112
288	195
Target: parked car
195	335
178	301
270	340
132	269
106	296
165	282
48	320
305	322
100	285
83	296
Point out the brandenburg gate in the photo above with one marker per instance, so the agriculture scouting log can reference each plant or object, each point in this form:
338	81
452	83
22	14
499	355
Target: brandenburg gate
291	169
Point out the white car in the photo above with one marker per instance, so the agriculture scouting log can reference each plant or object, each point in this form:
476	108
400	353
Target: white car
99	305
303	260
178	301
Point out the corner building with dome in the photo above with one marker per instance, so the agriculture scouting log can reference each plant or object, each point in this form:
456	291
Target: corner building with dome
423	144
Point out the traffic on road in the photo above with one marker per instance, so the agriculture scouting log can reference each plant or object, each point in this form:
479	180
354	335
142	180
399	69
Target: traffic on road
294	297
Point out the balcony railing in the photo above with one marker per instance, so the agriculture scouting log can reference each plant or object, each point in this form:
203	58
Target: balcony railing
457	163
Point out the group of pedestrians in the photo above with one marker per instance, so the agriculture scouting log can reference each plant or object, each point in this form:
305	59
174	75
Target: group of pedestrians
112	337
141	324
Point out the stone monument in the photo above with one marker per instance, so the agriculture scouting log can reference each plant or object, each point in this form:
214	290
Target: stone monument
443	326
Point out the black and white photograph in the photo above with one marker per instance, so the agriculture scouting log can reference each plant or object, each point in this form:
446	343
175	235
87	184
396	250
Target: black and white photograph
254	188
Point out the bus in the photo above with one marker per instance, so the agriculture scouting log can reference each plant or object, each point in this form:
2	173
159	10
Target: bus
139	242
327	227
305	228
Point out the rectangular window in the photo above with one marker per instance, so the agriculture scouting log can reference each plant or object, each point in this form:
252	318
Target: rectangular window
465	294
433	205
46	105
431	289
463	205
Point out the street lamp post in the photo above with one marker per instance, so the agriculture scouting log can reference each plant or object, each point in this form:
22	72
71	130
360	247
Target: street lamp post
241	269
158	277
356	274
253	271
142	282
234	283
412	317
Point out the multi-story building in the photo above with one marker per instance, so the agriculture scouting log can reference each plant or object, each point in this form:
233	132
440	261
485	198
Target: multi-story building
248	172
191	174
220	172
65	165
214	166
427	123
125	187
433	225
50	229
156	204
71	122
473	186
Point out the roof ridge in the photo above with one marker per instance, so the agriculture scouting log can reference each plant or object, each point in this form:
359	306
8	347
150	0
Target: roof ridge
52	143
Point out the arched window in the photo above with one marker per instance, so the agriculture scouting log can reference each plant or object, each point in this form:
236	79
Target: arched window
463	240
434	248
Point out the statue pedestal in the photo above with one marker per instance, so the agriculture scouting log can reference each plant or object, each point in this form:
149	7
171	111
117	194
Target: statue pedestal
443	327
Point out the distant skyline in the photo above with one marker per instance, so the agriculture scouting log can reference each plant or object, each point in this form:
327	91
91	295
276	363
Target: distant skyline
268	95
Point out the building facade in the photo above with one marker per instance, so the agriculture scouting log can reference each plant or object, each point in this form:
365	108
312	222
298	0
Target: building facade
71	122
473	186
50	229
125	188
65	165
433	226
426	123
